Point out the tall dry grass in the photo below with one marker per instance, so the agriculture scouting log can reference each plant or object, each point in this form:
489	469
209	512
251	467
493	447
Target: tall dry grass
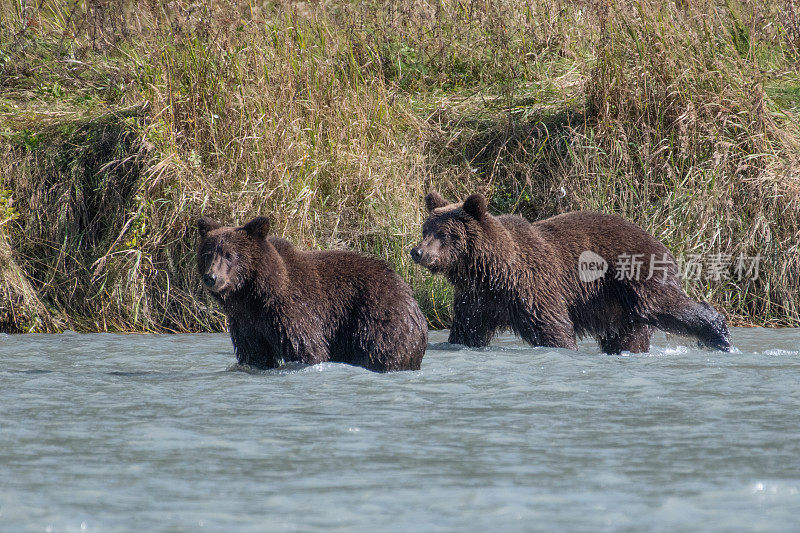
123	122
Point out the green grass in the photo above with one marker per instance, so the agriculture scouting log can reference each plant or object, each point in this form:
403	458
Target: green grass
122	124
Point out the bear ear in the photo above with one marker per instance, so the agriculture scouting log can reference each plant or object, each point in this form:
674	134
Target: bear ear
434	200
258	228
206	225
475	205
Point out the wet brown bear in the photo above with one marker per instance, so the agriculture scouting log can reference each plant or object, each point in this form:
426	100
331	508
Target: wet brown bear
284	304
508	272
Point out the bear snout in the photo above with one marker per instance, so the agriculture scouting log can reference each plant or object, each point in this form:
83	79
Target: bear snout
209	280
425	258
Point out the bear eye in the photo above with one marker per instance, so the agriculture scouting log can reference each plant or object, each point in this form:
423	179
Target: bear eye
228	256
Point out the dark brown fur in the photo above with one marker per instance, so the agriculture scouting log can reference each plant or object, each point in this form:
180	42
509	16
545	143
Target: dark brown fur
508	272
284	304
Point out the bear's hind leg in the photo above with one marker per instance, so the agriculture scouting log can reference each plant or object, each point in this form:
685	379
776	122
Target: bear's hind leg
634	338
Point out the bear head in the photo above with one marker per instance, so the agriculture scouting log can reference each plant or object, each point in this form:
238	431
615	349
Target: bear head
227	257
449	232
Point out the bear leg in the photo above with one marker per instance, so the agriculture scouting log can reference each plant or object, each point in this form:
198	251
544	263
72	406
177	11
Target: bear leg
475	320
634	338
556	332
471	331
249	347
550	335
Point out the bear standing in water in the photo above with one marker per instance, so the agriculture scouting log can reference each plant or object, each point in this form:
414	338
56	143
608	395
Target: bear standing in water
507	272
287	305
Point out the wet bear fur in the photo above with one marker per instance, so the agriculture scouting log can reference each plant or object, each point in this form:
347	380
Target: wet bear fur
287	305
510	273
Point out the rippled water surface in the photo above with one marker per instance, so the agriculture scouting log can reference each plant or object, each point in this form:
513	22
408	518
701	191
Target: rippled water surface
140	432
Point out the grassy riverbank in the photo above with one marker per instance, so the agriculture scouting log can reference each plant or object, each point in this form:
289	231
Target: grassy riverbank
122	122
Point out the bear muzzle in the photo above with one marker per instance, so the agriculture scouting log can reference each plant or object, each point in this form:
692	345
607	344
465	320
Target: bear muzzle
425	259
209	280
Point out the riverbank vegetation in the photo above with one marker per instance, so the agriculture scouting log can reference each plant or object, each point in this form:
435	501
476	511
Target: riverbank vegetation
122	122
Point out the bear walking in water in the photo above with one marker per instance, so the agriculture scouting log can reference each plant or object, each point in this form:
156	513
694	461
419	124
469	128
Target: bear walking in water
284	304
507	272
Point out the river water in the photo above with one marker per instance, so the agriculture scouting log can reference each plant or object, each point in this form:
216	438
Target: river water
106	432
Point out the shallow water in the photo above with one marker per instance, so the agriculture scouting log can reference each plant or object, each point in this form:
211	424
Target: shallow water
139	432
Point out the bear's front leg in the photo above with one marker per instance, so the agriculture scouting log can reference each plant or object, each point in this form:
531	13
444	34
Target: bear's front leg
475	319
541	328
634	338
250	346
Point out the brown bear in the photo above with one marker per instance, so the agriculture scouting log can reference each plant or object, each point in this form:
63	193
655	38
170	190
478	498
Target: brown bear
288	305
550	281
